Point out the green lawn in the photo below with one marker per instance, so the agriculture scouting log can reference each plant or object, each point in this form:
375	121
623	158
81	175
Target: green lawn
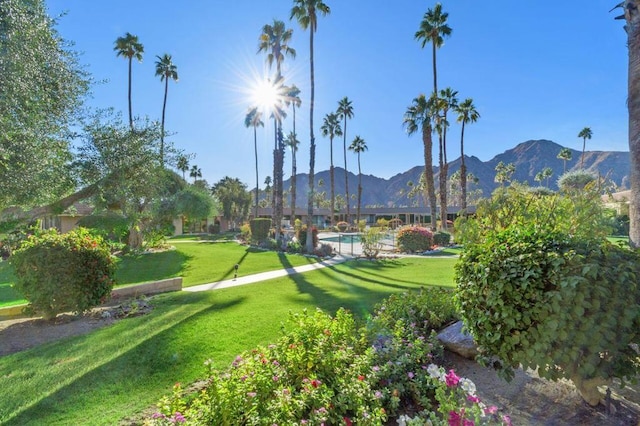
120	370
197	263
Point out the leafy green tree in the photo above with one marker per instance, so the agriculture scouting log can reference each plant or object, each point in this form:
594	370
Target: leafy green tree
129	47
564	155
292	142
418	118
306	13
234	199
166	70
254	119
358	146
585	134
345	111
433	29
504	172
42	90
467	113
331	128
193	203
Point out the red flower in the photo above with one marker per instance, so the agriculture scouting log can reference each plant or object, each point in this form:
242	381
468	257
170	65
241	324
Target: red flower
347	421
315	383
361	377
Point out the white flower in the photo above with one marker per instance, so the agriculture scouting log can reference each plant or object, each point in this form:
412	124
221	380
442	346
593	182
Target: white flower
468	386
434	371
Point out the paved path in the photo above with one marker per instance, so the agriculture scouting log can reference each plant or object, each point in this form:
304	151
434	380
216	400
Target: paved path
248	279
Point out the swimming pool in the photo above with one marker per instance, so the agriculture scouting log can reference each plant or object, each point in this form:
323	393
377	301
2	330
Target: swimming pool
343	239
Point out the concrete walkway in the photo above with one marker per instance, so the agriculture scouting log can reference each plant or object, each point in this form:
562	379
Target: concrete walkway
249	279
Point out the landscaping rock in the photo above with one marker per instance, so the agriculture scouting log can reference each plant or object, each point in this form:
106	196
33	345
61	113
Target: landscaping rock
458	341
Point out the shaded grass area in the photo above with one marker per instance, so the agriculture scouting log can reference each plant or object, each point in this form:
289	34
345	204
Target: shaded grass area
197	263
91	379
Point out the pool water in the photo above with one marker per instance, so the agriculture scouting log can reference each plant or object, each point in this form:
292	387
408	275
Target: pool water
343	239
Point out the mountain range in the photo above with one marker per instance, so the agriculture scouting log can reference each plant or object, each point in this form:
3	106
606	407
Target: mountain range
528	157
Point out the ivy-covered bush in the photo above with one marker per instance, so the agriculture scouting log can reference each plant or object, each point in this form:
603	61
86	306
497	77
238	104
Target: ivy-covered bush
568	307
260	229
442	238
415	238
302	236
63	272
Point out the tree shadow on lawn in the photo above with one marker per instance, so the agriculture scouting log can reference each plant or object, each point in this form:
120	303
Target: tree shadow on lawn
151	266
366	266
145	350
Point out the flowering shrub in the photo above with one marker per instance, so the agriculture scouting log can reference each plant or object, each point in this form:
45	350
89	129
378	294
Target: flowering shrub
63	272
415	238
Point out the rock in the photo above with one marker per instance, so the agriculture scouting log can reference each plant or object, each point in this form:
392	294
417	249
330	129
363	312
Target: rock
458	341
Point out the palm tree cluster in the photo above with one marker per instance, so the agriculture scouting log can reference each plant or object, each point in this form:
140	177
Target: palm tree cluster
430	114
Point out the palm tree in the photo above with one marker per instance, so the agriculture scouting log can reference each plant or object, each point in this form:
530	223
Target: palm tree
631	16
433	29
254	119
418	117
358	146
467	113
195	173
267	186
345	111
129	47
448	101
331	127
306	13
585	134
183	165
292	142
565	155
275	40
166	69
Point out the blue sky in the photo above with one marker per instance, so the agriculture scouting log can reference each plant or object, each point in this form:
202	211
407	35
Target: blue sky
535	69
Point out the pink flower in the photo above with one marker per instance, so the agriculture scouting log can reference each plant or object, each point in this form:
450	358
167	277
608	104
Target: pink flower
491	410
467	422
411	375
455	419
347	421
451	379
473	399
506	420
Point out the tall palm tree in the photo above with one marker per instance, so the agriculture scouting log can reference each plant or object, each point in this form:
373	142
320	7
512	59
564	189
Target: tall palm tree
358	146
274	41
331	128
183	165
467	113
585	134
166	69
254	119
129	47
292	142
565	155
345	111
433	29
306	13
449	101
631	16
195	173
418	117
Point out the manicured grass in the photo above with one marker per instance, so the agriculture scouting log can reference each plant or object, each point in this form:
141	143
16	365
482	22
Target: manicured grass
120	370
197	263
225	236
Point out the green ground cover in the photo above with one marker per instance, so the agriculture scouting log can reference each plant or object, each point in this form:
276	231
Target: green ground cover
92	379
197	263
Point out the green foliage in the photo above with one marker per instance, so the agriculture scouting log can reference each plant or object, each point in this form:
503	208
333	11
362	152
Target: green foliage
579	213
568	307
110	224
371	244
302	236
382	223
234	198
575	180
260	229
245	232
194	202
319	371
442	238
415	239
61	272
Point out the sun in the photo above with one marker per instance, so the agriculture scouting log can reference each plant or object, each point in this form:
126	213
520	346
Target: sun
269	96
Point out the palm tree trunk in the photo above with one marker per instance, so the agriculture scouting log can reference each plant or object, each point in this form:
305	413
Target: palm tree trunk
632	16
346	174
463	173
255	149
280	189
359	191
333	188
129	96
312	152
584	146
444	174
428	172
435	74
292	219
274	191
164	107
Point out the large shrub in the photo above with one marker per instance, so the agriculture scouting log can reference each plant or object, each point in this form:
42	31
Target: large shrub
63	272
442	238
302	236
260	229
414	239
568	307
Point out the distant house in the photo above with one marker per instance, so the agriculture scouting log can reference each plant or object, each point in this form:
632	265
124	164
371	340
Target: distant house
618	201
67	220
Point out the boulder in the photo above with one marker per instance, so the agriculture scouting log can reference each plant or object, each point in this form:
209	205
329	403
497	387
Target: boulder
458	341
